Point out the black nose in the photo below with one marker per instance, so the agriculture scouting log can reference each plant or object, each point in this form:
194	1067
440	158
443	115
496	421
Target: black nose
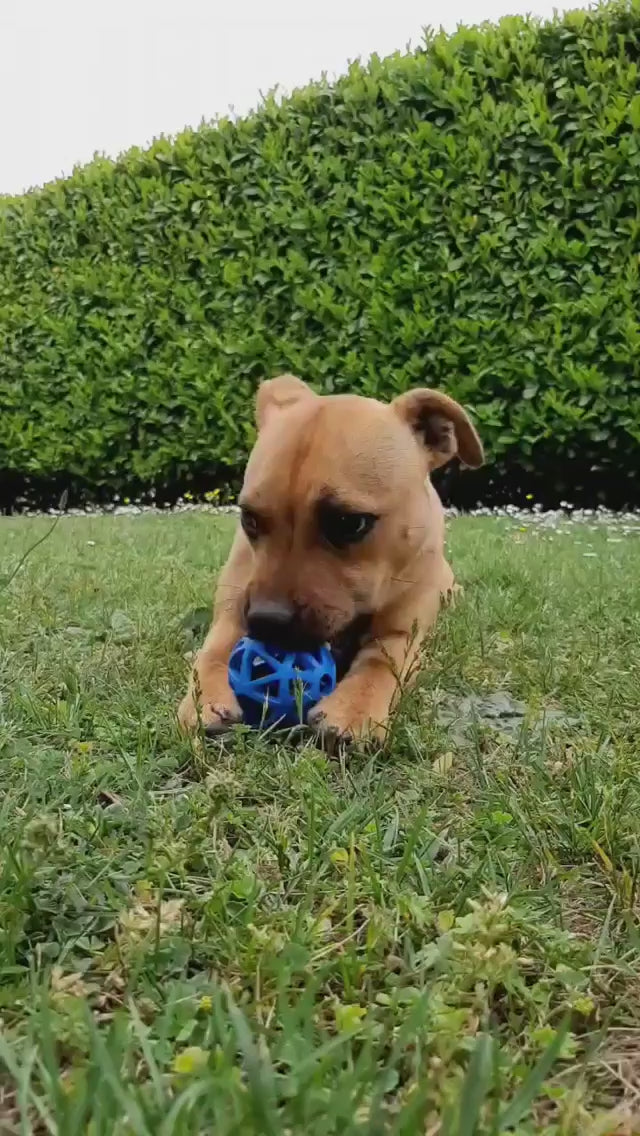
272	623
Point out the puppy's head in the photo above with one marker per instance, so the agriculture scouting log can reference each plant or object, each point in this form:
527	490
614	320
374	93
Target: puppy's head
334	506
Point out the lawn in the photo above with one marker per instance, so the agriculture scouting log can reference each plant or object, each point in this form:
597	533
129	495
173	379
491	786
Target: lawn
438	937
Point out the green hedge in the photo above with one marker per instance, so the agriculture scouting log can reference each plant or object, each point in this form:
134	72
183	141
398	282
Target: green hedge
467	216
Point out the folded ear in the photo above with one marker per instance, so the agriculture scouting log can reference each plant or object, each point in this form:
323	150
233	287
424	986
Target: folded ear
279	394
441	425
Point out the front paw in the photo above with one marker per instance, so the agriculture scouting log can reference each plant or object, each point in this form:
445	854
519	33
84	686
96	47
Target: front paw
215	717
337	721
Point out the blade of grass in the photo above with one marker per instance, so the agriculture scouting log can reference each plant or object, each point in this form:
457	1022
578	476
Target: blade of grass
528	1091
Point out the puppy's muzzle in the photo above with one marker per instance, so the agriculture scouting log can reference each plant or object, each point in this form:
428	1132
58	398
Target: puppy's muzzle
278	624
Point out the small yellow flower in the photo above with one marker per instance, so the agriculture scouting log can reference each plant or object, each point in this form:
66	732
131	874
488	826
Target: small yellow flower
191	1060
349	1018
205	1004
584	1005
445	921
82	747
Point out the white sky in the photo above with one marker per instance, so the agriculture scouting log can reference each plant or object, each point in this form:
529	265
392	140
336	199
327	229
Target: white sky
80	76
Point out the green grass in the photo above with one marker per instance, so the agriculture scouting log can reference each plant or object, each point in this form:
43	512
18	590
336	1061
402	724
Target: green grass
440	937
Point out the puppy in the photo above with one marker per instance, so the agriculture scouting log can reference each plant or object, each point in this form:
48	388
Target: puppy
341	540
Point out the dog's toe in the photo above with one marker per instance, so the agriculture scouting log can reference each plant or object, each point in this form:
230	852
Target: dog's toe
330	737
219	720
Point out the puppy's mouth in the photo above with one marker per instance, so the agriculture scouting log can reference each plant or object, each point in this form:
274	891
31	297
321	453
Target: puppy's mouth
280	626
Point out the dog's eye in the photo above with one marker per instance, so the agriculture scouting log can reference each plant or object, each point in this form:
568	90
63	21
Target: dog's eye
341	528
250	523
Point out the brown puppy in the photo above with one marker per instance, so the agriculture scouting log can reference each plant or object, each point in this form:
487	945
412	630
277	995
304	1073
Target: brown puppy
342	541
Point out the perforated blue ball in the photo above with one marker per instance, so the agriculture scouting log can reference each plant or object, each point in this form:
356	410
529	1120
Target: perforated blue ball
275	686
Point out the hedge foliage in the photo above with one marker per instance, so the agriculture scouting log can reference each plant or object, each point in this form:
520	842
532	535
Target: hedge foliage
466	216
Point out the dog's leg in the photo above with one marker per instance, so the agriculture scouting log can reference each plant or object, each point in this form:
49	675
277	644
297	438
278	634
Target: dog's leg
361	704
209	698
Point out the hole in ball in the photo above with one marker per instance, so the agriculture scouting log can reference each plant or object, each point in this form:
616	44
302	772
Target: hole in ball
260	669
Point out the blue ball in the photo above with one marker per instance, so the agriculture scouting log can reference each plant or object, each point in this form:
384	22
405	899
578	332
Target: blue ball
275	686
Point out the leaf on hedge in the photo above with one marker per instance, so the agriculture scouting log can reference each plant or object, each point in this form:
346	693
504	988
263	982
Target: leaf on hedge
634	112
